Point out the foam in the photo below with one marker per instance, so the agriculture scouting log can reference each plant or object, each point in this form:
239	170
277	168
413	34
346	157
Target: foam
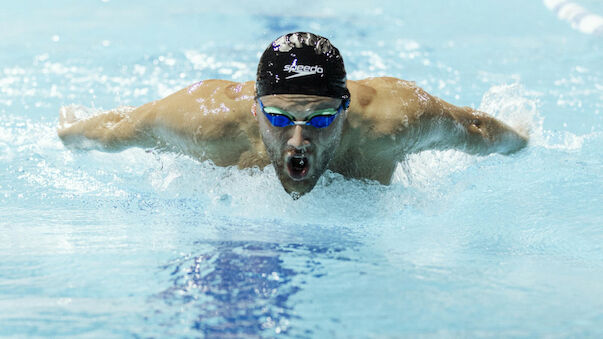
44	162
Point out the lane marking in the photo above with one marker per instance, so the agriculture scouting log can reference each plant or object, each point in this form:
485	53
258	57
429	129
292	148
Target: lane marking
580	18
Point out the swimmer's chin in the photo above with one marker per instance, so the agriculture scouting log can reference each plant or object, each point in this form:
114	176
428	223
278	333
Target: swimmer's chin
299	188
298	173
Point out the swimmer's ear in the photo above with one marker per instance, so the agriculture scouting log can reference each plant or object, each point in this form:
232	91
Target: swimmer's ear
346	107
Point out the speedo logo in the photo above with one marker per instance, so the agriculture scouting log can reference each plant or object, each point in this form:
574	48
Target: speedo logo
302	70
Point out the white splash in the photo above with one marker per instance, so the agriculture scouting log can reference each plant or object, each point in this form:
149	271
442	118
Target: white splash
519	108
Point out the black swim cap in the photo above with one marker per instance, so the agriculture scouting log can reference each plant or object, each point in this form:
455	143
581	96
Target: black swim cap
302	63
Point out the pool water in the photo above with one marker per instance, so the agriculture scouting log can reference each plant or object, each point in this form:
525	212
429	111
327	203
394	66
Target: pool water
149	244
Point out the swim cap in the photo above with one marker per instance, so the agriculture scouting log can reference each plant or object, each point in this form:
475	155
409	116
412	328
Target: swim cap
302	63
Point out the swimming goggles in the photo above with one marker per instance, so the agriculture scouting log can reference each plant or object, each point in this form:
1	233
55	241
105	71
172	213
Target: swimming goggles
319	119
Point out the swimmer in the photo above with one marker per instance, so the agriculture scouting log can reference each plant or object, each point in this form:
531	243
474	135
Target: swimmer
302	116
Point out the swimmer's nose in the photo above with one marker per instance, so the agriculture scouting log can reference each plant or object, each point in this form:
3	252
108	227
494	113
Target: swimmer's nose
297	139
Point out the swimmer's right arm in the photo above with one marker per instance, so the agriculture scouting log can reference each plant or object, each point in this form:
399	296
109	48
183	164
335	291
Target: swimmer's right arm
149	125
111	131
208	120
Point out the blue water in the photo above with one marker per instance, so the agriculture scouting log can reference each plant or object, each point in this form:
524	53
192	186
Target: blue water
144	244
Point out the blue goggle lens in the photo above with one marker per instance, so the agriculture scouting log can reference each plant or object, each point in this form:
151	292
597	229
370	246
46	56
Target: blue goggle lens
278	120
322	121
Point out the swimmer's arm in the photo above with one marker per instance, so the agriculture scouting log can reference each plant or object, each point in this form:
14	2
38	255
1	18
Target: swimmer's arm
111	131
152	125
208	120
445	126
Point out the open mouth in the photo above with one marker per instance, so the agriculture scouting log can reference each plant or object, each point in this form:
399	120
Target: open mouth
298	166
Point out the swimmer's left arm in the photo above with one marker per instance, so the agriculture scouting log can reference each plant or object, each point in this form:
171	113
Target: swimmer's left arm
424	122
476	132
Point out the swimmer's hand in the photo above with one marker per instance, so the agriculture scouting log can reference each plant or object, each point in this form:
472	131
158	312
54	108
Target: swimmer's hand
66	117
65	130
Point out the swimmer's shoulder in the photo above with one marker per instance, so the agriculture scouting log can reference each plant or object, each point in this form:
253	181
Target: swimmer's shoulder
385	105
372	91
221	90
373	87
217	99
209	110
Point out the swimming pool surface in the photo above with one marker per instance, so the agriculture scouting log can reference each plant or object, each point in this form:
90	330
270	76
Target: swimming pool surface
144	244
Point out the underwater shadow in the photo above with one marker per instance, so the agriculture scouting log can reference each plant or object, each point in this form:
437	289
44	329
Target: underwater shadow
235	288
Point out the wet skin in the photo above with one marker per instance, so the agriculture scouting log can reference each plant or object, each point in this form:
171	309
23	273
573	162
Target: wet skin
387	119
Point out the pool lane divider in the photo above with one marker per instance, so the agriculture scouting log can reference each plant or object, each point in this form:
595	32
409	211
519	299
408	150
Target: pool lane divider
580	18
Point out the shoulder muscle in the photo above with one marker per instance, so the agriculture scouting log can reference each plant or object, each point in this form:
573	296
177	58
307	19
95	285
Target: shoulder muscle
386	106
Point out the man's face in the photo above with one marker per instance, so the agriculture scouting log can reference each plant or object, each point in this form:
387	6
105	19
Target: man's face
300	153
